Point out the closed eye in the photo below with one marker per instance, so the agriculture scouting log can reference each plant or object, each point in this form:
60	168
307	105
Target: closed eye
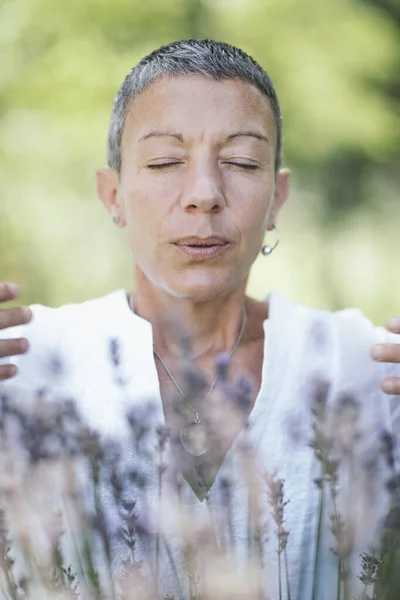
159	166
246	166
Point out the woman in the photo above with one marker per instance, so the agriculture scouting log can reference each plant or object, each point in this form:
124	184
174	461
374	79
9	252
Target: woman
195	178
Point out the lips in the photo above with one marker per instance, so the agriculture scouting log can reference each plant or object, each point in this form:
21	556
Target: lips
198	241
202	248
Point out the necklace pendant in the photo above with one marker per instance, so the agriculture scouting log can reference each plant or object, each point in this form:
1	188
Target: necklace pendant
194	437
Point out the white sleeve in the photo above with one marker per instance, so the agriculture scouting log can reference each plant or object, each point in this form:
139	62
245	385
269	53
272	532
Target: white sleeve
357	369
36	368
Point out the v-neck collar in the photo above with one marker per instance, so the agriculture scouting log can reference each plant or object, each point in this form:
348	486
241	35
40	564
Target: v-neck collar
275	356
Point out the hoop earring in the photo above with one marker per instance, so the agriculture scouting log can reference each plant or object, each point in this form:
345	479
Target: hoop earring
266	250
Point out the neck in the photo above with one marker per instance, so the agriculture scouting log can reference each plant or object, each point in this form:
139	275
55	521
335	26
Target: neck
183	326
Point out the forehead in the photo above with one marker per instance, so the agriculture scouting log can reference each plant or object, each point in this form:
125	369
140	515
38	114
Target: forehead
196	105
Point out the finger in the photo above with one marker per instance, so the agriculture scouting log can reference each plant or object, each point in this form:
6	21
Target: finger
8	291
386	353
393	324
12	317
391	385
7	371
13	347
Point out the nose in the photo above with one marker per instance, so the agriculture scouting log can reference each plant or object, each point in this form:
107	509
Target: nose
203	191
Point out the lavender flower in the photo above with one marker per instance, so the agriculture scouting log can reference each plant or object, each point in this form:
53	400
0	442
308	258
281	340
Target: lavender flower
369	565
115	352
277	501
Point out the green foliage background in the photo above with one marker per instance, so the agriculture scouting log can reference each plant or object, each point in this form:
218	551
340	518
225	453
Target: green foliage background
336	66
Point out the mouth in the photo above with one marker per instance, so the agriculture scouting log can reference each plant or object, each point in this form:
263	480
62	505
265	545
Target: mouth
202	248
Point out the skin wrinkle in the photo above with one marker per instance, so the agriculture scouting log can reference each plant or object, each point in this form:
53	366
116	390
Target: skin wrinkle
230	101
188	58
179	136
227	147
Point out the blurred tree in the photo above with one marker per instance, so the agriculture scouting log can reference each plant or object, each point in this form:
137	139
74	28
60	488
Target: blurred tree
198	24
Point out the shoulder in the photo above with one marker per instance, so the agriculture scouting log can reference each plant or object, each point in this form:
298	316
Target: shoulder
50	325
61	337
345	324
312	344
342	338
88	312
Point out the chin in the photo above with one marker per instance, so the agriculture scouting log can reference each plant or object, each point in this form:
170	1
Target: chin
201	289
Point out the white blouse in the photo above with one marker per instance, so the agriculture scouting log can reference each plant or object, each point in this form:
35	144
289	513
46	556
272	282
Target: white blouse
69	357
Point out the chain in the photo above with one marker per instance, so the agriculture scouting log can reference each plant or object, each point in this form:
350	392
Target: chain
214	383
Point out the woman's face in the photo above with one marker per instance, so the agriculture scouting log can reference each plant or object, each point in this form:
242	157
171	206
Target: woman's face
197	162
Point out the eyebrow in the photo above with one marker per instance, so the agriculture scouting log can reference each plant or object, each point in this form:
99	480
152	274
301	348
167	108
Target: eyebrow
254	134
158	134
179	136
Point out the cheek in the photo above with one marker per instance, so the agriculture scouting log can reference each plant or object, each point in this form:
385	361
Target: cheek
251	206
148	200
142	220
143	204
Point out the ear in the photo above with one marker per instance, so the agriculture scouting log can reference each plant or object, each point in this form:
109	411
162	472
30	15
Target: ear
282	187
107	190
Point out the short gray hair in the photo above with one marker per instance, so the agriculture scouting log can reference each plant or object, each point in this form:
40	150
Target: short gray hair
217	60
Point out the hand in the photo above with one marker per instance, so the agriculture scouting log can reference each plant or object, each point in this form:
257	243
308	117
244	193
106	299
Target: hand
389	353
9	317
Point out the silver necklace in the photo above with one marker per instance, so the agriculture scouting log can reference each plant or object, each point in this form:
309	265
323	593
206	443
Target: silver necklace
193	435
